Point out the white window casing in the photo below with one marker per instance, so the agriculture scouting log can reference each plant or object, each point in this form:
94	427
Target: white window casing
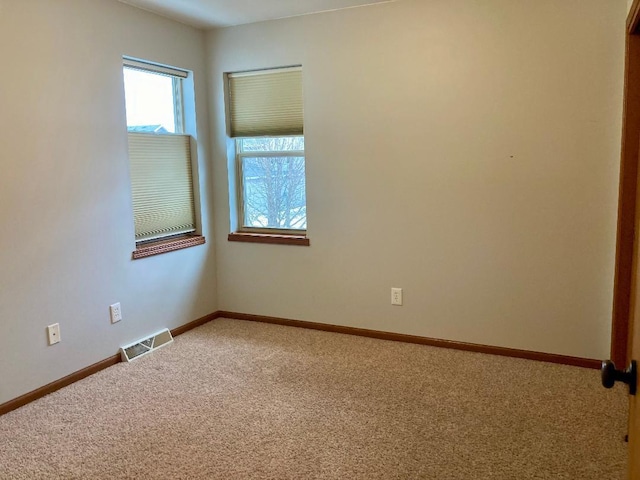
160	166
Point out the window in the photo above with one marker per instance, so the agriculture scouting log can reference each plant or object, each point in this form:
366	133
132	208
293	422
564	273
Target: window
154	98
272	177
159	155
266	120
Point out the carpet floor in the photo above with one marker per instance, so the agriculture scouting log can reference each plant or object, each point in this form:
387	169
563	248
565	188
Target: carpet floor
244	400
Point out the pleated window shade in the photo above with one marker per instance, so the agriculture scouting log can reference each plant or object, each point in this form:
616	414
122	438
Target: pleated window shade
161	184
266	103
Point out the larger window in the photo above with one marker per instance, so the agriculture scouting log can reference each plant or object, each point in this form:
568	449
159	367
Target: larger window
266	119
159	152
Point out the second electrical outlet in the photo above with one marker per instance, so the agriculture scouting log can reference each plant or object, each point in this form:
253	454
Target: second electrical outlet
396	296
116	312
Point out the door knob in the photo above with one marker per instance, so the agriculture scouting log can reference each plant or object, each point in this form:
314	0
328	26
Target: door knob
610	375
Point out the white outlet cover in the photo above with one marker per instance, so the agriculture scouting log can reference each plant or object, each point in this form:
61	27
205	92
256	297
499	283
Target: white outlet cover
396	296
53	332
115	312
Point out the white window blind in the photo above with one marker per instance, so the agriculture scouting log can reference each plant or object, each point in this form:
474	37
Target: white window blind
161	184
266	103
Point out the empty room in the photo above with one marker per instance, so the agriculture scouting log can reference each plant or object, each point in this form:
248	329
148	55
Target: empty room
320	239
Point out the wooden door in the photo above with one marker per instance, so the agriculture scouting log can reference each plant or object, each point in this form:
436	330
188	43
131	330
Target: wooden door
634	404
625	344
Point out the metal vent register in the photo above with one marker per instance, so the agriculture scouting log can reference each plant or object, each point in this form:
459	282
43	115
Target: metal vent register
146	345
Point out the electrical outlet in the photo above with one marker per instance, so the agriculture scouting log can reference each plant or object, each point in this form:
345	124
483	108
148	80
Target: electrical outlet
116	312
396	296
53	331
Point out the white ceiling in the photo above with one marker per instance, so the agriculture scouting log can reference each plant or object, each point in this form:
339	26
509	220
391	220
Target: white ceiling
224	13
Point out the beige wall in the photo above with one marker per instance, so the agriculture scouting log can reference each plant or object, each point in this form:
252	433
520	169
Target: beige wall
67	228
454	150
465	151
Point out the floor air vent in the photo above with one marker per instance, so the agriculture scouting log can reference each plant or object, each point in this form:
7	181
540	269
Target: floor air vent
146	345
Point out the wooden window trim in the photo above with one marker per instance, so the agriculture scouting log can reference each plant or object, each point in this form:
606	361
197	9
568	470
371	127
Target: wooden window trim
278	239
166	245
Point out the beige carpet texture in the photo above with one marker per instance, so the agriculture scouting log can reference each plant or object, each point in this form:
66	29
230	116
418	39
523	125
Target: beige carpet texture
243	400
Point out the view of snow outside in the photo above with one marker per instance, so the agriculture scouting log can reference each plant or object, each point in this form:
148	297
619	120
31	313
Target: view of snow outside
274	189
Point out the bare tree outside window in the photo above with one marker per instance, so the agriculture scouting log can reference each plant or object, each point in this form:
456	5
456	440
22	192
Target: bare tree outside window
273	182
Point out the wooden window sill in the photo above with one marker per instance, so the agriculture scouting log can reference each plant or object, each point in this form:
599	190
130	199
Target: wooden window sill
272	238
167	245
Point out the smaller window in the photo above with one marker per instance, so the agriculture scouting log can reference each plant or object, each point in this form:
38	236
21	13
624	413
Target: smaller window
159	151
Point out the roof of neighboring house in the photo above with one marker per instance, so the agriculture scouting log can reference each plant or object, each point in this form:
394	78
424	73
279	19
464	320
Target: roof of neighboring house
147	129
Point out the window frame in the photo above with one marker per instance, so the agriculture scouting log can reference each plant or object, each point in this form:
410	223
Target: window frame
240	154
171	241
177	80
268	108
178	106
